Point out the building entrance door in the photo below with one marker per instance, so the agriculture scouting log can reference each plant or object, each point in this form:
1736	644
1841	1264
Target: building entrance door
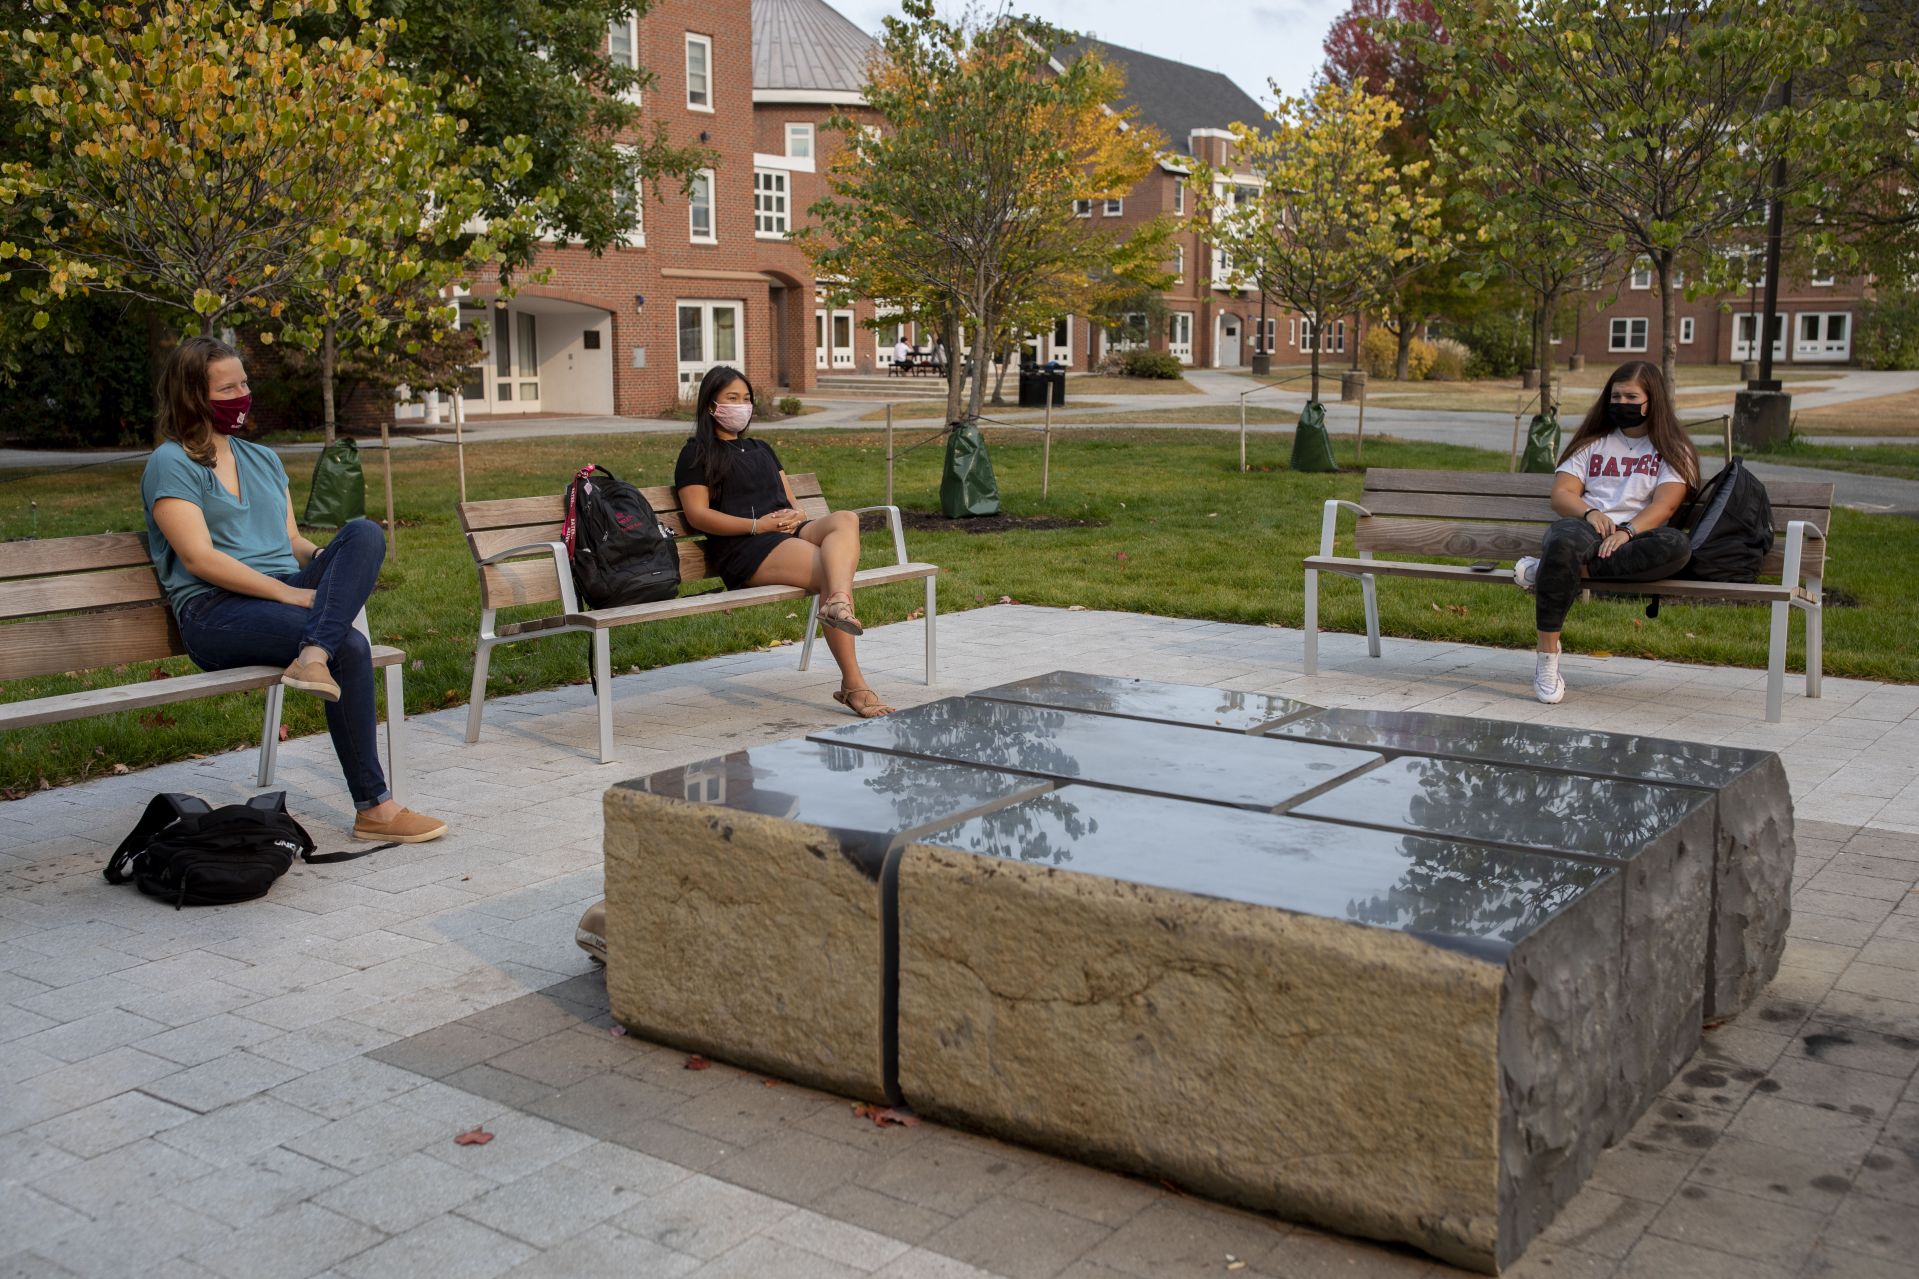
1226	351
709	334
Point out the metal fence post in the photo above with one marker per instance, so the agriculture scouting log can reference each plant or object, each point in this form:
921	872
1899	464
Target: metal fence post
889	454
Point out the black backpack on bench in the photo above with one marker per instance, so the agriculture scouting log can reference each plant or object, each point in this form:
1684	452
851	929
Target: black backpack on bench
1729	523
620	551
188	853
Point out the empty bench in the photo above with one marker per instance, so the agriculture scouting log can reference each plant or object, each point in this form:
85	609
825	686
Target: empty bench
73	604
517	548
1491	515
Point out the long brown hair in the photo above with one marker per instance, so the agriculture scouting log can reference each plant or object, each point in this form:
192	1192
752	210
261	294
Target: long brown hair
183	409
1674	445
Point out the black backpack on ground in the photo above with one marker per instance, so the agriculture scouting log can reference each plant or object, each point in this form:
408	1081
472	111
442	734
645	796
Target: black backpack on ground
192	855
620	551
1730	522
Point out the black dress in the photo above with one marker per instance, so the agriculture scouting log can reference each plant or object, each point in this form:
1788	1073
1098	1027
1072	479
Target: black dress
752	490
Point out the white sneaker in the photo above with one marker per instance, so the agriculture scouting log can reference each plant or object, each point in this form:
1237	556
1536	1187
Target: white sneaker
1526	572
1548	687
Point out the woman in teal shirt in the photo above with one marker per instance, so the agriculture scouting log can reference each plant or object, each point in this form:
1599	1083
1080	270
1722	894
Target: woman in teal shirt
247	589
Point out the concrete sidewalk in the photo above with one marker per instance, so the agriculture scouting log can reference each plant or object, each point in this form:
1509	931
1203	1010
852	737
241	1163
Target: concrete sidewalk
274	1088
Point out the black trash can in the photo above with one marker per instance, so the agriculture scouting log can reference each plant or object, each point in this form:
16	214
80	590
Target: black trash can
1032	389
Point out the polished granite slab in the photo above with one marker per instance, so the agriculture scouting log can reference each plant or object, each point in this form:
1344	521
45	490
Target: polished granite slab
1392	1035
1069	746
746	914
1151	700
1753	846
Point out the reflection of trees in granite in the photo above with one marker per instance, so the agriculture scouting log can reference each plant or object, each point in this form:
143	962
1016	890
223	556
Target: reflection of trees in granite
1105	695
1537	809
1463	890
1041	829
965	730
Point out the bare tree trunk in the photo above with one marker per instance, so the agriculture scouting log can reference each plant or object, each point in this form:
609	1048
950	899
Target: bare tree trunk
1668	327
950	335
1316	345
999	380
329	356
1402	357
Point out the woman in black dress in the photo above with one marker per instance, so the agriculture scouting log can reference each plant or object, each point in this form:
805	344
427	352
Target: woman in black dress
733	489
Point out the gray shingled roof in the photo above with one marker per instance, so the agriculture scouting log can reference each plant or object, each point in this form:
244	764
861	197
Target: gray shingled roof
1175	97
807	44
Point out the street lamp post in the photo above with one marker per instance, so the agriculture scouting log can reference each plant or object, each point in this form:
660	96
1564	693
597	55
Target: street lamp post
1762	413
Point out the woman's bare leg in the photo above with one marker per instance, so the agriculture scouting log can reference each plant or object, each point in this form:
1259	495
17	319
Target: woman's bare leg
838	537
802	563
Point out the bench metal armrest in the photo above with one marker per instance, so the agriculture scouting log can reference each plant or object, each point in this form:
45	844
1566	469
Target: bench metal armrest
561	568
1796	533
1329	525
899	530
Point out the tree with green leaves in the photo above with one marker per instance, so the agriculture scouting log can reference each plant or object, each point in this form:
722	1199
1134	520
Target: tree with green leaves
1647	126
1333	220
962	204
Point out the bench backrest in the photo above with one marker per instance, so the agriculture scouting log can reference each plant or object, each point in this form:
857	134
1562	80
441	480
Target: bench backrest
79	603
492	527
1499	516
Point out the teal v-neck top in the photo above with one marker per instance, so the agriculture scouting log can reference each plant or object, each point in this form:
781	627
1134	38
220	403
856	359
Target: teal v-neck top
252	527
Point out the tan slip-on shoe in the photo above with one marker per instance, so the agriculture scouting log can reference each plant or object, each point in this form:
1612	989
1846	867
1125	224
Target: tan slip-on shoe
591	934
404	827
311	677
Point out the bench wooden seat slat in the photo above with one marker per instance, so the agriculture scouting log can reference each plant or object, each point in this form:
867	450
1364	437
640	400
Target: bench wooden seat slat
29	596
38	558
1489	515
533	578
86	641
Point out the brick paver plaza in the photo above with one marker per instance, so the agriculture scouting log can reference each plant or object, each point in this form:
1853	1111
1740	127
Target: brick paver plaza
275	1088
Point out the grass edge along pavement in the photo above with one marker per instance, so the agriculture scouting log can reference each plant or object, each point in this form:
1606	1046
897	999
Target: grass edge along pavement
1173	529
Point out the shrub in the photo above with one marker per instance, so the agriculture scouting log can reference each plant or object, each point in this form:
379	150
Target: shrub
1449	360
1887	336
1379	355
790	405
1500	341
1153	364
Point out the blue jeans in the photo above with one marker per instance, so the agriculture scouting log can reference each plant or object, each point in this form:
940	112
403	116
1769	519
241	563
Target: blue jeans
222	630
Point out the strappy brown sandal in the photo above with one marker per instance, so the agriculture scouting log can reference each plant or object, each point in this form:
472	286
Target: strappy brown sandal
836	610
870	708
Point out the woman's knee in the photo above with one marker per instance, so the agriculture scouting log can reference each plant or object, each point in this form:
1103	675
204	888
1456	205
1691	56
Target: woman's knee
842	522
1564	533
354	651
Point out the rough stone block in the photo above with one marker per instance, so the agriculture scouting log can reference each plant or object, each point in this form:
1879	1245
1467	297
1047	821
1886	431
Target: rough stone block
1753	847
1073	746
1389	1035
1660	837
1147	699
744	909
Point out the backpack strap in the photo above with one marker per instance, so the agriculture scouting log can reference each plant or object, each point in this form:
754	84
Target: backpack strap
318	858
570	527
163	810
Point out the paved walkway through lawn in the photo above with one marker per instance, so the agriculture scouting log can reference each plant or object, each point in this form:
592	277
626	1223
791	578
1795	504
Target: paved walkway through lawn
274	1088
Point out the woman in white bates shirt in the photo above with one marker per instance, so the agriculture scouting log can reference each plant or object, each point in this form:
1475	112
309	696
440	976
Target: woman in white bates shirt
1619	483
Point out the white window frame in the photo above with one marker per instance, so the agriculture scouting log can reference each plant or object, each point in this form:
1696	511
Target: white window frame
1270	334
795	132
1686	330
1823	281
1082	208
1181	350
1060	340
1305	334
693	207
1616	342
843	357
1179	264
1745	327
770	185
1292	332
706	44
1179	195
1115	208
691	371
632	63
636	238
1821	346
1641	275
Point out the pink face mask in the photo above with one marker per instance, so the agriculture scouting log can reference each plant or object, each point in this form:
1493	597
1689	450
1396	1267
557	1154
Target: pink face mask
230	416
733	417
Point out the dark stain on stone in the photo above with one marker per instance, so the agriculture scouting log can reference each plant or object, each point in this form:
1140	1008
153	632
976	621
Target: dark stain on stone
1705	1077
1697	1136
1721	1099
993	1168
1767	1085
1906	1042
1644	1147
1779	1189
1691	1192
1826	1105
1816	1044
1778	1014
1832	1182
1746	1074
1879	1163
1864	1112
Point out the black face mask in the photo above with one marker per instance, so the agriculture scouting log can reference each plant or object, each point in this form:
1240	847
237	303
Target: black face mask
1624	417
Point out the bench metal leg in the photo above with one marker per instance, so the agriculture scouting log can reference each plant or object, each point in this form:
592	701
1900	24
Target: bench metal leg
812	631
932	613
1776	661
395	728
603	677
482	655
270	733
1371	595
1815	639
1310	626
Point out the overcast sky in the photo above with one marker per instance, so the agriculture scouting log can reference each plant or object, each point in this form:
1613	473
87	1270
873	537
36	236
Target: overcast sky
1252	42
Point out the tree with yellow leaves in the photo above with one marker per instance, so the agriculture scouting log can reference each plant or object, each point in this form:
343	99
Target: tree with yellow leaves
1329	220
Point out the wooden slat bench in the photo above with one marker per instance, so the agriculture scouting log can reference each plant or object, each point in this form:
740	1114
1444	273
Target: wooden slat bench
84	603
521	560
1491	515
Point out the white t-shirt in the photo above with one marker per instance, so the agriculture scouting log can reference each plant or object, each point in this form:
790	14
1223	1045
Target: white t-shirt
1620	473
901	351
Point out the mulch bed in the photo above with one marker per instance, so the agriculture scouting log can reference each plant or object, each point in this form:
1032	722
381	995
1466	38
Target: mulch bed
1001	523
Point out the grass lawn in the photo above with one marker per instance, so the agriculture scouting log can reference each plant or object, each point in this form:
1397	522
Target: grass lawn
1700	386
1881	415
1901	462
1179	532
1095	384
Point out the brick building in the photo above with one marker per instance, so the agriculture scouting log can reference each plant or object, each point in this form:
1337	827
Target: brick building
1815	324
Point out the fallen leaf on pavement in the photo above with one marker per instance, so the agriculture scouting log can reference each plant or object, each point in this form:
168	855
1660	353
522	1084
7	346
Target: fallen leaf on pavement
474	1137
1599	652
616	1030
697	1062
887	1116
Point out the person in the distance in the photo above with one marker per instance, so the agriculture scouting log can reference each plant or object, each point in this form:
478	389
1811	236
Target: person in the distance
1620	481
247	589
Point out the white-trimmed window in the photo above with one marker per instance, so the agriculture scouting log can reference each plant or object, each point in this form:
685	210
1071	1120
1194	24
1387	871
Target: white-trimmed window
1822	281
1082	208
1272	334
699	209
623	42
1292	333
799	141
1115	207
1179	195
699	72
1642	274
1685	330
1179	264
1063	339
769	205
1628	335
1305	335
632	204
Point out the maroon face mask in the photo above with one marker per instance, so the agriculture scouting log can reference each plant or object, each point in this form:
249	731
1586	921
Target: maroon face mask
230	416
